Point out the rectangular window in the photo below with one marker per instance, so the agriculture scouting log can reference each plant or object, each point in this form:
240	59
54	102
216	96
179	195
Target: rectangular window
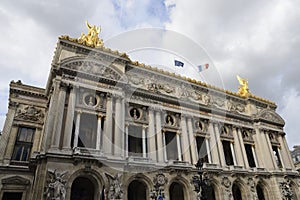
201	149
88	131
171	145
12	196
249	152
135	141
276	156
23	144
227	153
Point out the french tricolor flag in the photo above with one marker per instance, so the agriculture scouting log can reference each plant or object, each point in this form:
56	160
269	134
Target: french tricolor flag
202	67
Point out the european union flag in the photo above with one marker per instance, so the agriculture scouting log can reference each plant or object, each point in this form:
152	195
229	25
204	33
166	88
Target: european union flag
178	63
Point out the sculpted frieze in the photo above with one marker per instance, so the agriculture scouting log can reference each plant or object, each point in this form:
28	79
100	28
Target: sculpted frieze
115	190
235	107
30	113
56	188
271	116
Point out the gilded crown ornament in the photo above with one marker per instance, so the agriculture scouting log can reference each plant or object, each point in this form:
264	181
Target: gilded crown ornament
243	88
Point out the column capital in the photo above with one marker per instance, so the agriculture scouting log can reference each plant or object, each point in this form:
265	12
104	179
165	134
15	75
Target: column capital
144	126
100	115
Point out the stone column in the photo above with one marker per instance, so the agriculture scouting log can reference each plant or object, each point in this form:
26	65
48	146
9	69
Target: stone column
151	135
69	120
76	135
99	131
208	150
178	146
284	153
119	127
254	155
290	160
280	157
185	140
126	141
59	116
144	141
238	146
165	155
219	145
270	150
107	136
213	145
159	137
49	124
7	129
233	153
192	141
244	154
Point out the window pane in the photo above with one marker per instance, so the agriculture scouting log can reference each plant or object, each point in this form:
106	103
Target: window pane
171	143
22	134
201	148
29	135
17	152
227	153
88	131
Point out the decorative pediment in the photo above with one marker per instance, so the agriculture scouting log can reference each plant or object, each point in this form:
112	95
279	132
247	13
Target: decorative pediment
15	180
94	67
270	117
30	113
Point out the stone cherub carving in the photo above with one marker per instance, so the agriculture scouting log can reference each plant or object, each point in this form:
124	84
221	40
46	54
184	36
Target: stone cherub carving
115	189
91	39
243	88
56	187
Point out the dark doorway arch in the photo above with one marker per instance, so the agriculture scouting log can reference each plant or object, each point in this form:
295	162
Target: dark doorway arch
210	192
260	193
176	191
137	190
236	192
82	189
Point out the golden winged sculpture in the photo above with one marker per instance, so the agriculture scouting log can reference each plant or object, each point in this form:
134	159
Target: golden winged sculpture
91	39
243	88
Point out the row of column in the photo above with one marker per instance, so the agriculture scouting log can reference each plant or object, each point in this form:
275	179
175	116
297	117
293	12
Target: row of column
186	143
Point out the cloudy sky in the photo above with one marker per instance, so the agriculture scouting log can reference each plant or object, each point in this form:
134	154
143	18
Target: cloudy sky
259	40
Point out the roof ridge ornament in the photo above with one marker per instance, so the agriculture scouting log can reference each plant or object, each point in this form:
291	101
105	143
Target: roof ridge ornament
243	88
91	38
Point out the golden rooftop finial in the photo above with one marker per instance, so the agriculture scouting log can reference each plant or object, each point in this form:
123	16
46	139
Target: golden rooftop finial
243	88
91	39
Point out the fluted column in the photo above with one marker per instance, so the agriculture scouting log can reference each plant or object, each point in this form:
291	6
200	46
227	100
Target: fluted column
219	145
69	119
159	137
144	141
213	145
59	117
76	135
99	131
151	135
119	127
107	136
185	141
192	141
178	146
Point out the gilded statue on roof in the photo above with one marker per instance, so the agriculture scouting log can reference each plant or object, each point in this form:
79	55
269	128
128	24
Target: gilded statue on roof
243	88
91	38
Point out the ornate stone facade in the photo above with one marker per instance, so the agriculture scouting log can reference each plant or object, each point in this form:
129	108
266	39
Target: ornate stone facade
109	128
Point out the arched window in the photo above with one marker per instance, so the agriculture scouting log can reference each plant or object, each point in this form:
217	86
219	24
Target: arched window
236	192
137	191
260	193
82	188
176	191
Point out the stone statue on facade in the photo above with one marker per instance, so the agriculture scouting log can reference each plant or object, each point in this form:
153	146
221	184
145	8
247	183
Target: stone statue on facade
286	190
56	186
115	191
